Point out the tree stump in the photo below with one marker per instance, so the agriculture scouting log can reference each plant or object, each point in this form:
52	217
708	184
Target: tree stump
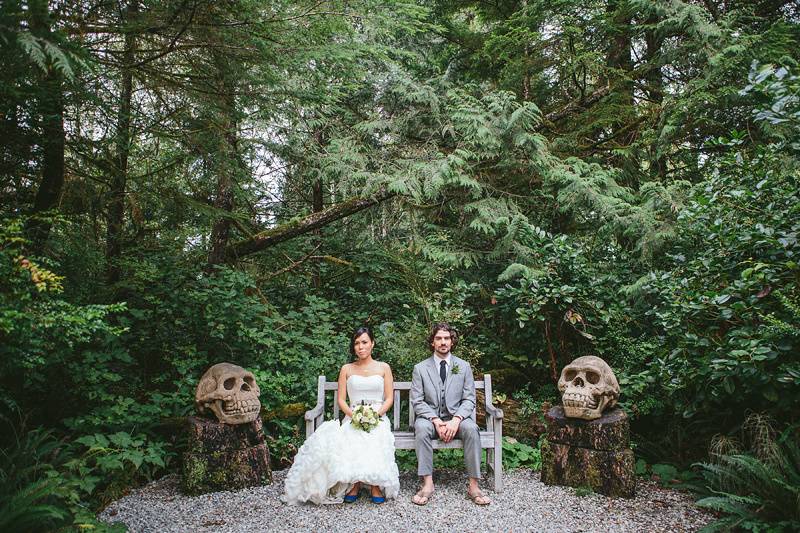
528	428
224	457
589	453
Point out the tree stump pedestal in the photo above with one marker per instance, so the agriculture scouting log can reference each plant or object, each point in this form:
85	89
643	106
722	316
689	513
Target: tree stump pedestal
589	453
224	457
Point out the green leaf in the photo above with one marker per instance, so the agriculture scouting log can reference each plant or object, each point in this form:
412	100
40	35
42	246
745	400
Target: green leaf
121	439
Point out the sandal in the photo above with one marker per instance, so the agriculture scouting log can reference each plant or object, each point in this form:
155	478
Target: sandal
424	496
478	498
377	499
350	498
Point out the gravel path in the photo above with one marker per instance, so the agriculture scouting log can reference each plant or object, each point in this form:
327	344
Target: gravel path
525	505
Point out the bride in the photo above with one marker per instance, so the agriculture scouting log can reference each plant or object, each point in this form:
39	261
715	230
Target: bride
337	461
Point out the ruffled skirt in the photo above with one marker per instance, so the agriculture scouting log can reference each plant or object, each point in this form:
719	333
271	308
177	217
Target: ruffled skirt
335	457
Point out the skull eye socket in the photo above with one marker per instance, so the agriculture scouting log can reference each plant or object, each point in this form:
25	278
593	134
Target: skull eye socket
229	383
592	377
249	383
569	375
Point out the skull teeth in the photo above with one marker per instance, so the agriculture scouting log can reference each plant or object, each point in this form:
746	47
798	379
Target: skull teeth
579	400
238	407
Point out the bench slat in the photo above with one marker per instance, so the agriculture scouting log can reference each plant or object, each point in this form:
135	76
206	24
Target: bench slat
398	385
396	409
336	404
404	440
491	439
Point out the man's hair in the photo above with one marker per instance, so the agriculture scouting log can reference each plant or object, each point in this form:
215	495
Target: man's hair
443	326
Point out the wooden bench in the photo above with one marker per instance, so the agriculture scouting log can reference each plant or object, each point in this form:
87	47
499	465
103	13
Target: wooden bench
491	437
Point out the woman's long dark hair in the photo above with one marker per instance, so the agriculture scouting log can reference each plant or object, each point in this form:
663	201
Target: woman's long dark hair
356	334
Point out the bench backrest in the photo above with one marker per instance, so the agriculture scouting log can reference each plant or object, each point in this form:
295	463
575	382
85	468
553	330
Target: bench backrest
399	386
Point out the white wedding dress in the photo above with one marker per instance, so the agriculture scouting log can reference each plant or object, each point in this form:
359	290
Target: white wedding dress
337	455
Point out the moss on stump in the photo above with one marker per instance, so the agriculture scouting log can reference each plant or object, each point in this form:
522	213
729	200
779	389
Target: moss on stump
224	457
594	454
208	436
610	432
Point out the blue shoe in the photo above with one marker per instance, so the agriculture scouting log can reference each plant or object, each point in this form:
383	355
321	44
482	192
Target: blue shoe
350	499
378	499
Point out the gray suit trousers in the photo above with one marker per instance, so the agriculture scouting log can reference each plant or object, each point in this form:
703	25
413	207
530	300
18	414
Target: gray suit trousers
470	436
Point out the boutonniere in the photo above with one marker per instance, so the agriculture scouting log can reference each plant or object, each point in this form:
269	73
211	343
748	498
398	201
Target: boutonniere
456	369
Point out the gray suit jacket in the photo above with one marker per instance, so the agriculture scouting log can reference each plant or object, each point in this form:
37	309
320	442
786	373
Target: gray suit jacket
459	389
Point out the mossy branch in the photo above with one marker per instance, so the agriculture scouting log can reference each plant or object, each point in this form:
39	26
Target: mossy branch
295	228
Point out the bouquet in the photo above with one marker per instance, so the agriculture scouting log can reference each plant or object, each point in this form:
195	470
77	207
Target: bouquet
364	418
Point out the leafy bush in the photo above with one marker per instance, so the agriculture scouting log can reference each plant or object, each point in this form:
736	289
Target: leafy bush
46	484
31	492
517	454
46	342
757	489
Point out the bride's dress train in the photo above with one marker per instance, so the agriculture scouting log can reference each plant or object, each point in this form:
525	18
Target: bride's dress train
336	456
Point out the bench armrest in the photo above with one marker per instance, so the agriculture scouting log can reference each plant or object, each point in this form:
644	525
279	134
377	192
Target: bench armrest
493	411
311	414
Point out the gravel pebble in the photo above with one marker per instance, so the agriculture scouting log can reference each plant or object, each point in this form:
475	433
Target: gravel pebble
526	504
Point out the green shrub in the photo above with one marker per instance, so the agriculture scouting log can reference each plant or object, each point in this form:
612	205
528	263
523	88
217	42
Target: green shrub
31	491
756	489
517	454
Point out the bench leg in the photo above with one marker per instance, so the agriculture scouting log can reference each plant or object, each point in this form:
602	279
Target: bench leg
498	458
498	472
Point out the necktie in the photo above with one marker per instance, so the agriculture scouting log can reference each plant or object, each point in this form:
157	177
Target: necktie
443	370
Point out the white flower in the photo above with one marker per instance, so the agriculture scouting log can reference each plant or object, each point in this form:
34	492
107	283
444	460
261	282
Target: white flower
364	418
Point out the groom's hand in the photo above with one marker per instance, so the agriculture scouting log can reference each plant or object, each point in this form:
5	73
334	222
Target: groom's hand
449	429
438	425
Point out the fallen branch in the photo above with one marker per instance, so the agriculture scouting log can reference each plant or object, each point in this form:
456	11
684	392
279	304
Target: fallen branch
265	239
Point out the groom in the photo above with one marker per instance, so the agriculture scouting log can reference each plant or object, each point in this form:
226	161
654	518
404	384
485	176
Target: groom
443	399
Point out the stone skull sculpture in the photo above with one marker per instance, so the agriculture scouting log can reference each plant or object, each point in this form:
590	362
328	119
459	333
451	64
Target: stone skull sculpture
230	392
588	386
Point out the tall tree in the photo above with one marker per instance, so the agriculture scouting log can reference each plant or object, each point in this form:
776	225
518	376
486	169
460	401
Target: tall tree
228	165
51	110
115	209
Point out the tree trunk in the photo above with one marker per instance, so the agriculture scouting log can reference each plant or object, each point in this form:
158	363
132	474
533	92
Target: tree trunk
51	101
227	159
317	207
655	90
620	66
618	59
115	214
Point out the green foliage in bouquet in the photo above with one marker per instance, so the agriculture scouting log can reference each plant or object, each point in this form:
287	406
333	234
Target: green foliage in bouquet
364	418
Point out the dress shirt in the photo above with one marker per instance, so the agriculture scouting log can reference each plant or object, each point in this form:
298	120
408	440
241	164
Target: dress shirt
448	360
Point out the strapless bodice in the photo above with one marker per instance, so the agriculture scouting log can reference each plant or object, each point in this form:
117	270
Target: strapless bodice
368	389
